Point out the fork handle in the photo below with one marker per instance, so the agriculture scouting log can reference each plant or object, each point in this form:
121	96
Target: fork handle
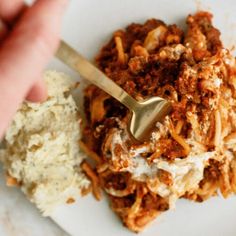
88	71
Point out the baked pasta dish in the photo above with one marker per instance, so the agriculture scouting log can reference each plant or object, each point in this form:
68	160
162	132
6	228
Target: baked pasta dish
191	153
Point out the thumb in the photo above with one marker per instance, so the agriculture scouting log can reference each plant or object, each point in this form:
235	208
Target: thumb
25	53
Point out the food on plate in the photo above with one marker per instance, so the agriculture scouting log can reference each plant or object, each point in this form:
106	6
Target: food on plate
41	152
191	154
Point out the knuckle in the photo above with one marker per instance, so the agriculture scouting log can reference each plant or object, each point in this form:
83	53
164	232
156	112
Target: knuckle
45	39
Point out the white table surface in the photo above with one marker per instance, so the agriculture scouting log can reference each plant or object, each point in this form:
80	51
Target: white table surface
18	217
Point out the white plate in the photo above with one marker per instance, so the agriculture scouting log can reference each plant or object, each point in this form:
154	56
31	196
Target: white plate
87	26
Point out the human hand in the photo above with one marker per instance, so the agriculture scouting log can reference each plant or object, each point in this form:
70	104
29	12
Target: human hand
25	50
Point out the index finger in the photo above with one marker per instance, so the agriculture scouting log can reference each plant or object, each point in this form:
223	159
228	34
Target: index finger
10	9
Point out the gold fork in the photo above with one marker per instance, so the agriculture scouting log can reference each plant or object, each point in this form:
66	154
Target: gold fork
145	114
